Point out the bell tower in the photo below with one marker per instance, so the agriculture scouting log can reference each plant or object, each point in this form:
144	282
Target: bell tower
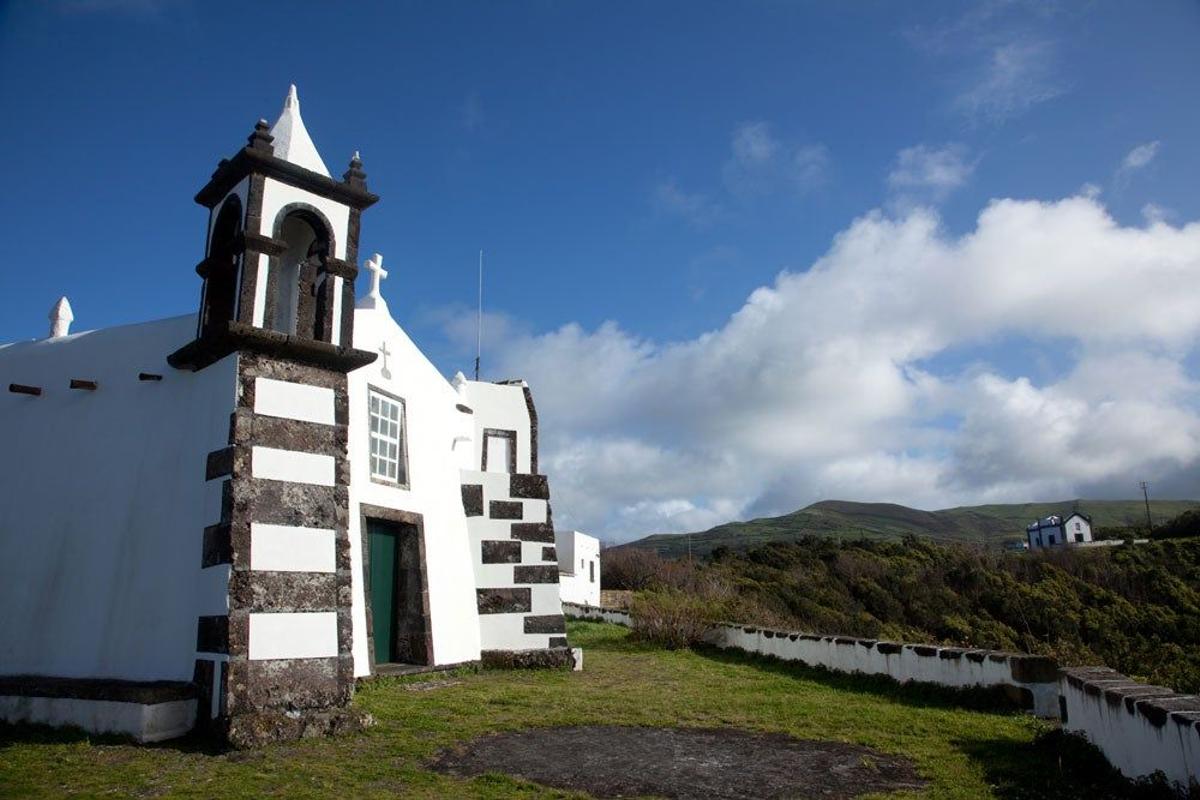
278	297
281	250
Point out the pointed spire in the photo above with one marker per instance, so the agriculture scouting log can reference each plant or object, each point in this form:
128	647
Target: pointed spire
292	142
61	317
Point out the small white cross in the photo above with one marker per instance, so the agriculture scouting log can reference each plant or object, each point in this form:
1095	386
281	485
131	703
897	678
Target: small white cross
375	266
383	351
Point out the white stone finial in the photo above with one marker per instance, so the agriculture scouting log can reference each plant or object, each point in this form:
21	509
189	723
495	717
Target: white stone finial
374	298
356	156
61	317
460	382
291	140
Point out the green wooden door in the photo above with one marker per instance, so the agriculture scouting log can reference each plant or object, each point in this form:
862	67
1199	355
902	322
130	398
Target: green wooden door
382	560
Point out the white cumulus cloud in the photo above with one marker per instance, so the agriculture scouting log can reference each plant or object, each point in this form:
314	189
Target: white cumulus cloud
760	163
839	379
935	171
1140	156
1016	76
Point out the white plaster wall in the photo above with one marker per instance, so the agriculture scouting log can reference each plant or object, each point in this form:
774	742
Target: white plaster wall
501	407
1130	741
576	552
147	723
277	195
507	631
564	547
434	491
1085	528
105	503
263	267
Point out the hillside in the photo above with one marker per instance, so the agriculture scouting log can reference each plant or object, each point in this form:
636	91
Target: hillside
1132	608
843	520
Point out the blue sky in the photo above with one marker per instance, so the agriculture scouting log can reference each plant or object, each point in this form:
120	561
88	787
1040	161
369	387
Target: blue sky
635	172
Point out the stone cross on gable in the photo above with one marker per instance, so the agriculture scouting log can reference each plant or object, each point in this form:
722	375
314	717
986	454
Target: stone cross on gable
383	351
374	265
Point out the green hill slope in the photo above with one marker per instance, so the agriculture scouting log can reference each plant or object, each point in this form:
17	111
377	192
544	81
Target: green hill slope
841	519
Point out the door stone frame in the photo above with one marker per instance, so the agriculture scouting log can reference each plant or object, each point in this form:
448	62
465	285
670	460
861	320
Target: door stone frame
367	512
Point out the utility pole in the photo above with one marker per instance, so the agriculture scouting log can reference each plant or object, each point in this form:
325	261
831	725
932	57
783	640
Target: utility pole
1146	496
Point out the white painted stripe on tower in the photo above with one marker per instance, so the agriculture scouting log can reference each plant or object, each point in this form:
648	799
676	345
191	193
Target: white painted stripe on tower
293	635
293	400
288	548
292	465
335	336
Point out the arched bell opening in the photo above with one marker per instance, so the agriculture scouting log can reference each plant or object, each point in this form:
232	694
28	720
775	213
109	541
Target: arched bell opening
220	285
299	284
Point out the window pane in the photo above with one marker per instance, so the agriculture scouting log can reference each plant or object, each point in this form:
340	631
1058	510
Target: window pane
386	435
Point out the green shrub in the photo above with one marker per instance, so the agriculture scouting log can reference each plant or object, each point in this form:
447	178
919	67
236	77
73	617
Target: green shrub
672	618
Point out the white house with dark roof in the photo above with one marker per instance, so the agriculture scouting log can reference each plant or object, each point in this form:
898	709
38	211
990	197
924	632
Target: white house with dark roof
1056	531
228	517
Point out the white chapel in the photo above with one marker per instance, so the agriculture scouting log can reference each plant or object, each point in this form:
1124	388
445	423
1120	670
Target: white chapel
225	519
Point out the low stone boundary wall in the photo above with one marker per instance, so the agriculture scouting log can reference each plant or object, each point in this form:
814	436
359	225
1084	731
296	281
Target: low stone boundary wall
1141	729
547	658
616	616
1031	680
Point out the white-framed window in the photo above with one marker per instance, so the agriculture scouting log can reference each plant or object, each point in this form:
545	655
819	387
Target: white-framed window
389	454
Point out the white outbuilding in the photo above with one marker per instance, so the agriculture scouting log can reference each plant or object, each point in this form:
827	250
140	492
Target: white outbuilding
228	517
578	567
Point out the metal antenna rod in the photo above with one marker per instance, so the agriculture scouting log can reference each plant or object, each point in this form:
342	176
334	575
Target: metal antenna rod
1146	496
479	320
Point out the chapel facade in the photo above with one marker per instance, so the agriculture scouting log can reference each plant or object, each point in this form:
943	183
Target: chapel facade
226	519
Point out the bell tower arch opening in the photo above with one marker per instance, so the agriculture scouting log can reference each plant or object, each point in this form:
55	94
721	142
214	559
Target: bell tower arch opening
219	304
297	296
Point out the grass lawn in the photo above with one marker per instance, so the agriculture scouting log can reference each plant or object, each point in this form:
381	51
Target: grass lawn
963	752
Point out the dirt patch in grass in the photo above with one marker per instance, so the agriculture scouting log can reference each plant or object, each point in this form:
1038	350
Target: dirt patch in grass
615	761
